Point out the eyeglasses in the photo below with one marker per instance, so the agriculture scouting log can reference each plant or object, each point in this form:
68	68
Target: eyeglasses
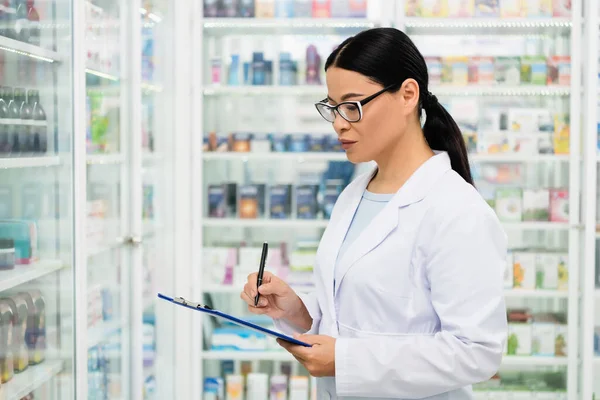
351	111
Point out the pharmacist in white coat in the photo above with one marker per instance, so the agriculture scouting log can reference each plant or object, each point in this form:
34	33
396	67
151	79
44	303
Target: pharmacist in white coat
408	301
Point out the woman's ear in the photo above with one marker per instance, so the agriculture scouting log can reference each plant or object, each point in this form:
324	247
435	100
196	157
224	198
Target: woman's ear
410	95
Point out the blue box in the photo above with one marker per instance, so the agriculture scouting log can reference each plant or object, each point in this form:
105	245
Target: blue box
299	143
306	201
280	201
333	189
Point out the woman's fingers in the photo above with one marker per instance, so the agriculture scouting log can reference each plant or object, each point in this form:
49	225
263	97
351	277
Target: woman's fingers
262	302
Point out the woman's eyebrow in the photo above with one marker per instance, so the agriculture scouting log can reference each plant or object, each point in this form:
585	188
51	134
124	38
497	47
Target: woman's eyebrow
347	96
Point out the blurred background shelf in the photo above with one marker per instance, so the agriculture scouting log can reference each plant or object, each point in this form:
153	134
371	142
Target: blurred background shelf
26	49
101	159
32	378
419	25
29	162
275	156
269	355
26	273
217	26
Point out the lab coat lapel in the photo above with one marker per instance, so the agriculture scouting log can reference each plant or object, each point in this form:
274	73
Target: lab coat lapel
414	190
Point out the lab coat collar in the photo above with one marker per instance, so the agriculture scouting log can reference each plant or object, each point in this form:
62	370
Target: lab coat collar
414	190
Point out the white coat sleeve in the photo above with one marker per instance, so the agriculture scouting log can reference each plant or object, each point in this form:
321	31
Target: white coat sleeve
464	264
311	302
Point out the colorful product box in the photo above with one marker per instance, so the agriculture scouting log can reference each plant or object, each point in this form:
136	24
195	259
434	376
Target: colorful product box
519	339
321	8
461	8
562	132
534	70
302	8
455	70
264	8
333	189
509	206
562	8
306	201
481	70
252	201
563	271
25	237
512	9
284	9
433	8
536	205
559	205
559	70
546	271
434	67
487	8
507	70
524	269
538	8
560	344
280	201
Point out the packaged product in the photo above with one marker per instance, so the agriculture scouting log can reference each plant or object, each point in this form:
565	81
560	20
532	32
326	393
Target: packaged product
280	201
481	70
455	70
507	70
559	205
434	67
20	313
509	207
434	8
252	201
536	204
543	339
487	8
561	134
538	8
563	271
461	8
562	8
519	339
547	271
534	70
321	8
524	269
559	70
561	349
6	341
512	8
234	387
35	333
264	8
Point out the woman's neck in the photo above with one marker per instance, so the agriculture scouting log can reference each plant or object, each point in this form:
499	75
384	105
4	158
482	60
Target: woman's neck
396	166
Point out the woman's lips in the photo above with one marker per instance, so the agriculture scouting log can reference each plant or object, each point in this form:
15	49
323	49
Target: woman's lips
346	144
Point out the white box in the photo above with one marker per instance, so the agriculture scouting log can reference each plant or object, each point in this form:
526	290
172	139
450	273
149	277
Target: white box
519	339
524	270
547	271
543	339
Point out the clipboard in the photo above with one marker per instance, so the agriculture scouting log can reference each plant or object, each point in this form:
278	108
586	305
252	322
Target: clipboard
180	301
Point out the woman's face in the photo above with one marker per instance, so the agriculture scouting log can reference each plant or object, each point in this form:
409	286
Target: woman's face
384	119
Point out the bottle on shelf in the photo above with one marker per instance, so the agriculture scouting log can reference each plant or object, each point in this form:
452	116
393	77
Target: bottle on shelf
22	22
34	23
39	126
25	137
5	145
10	18
14	117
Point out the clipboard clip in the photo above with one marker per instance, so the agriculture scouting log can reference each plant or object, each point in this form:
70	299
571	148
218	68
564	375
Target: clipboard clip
185	302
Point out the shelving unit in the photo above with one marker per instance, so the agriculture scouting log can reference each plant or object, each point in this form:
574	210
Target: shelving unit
29	50
27	273
29	162
35	376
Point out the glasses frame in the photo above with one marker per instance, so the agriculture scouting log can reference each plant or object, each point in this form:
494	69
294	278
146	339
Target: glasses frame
358	103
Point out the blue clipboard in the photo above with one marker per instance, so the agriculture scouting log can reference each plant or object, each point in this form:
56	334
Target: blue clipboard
180	301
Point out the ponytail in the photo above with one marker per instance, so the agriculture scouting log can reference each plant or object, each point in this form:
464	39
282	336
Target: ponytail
442	133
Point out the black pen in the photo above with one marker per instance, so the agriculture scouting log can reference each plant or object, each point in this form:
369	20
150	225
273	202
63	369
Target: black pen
261	270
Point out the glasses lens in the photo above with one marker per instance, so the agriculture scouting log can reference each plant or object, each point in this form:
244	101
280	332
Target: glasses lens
326	112
350	111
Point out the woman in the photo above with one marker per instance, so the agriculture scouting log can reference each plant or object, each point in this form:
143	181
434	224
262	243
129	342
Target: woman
409	272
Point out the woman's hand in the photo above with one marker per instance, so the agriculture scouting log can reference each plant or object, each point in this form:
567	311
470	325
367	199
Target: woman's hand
319	360
277	300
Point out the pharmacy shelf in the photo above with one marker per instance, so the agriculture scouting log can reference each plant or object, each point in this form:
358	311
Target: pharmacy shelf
32	378
518	158
29	162
105	159
264	223
534	361
275	156
98	72
150	157
27	273
221	26
267	355
101	331
322	223
536	294
29	50
319	92
499	90
419	25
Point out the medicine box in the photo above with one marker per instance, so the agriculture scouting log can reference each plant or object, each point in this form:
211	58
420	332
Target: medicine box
524	270
543	339
238	339
461	8
509	207
547	271
563	271
559	205
561	349
280	201
536	205
487	8
519	339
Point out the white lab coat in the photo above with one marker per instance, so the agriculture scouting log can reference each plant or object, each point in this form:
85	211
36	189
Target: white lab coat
418	309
